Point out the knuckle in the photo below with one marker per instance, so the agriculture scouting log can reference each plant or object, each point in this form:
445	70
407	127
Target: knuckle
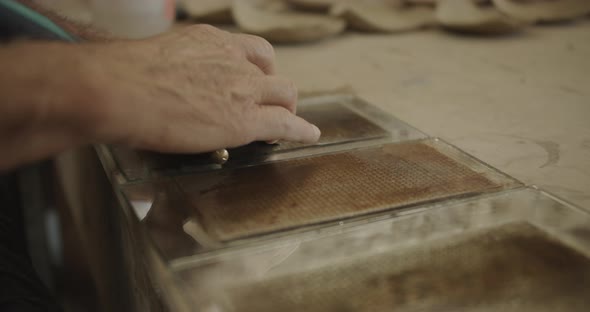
265	47
205	28
232	51
242	97
289	92
286	129
282	116
201	31
266	51
291	88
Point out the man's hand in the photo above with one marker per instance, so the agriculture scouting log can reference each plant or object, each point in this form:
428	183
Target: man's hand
192	90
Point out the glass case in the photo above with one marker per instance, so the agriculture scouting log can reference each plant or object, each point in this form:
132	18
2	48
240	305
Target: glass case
518	250
375	217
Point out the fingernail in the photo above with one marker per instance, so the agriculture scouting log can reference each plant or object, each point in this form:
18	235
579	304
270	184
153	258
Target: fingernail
317	131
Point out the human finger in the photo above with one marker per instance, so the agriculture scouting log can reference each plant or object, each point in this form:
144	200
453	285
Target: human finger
277	123
275	90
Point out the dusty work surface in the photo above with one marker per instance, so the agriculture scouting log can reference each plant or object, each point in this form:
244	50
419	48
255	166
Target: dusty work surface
520	103
515	267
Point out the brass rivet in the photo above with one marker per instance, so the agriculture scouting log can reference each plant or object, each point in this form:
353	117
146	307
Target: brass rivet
220	156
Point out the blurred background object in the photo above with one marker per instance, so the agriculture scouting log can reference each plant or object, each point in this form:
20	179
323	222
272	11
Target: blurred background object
133	18
297	21
208	11
74	10
476	18
277	22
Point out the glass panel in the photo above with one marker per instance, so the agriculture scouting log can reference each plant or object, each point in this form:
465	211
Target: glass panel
229	207
236	203
519	250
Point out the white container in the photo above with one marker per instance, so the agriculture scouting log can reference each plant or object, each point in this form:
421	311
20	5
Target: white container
133	18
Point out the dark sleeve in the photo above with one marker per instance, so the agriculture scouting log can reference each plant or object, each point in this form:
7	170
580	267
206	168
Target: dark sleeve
20	287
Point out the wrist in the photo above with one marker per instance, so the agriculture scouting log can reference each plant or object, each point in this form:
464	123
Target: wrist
91	99
68	96
48	101
82	105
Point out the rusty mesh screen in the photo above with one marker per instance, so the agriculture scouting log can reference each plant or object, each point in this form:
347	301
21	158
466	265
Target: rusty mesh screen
234	203
515	267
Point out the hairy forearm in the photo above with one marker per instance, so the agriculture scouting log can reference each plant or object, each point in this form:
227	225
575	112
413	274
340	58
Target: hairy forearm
41	109
190	90
81	31
47	103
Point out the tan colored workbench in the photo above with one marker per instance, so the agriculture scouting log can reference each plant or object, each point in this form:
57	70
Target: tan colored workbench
520	103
